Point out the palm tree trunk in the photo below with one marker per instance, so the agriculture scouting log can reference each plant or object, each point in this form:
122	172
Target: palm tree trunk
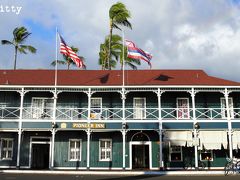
15	58
110	41
103	64
68	66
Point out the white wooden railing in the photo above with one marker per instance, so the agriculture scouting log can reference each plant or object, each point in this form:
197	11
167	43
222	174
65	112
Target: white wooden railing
117	113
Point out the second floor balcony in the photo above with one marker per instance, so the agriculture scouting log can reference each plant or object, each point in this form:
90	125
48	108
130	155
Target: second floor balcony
117	114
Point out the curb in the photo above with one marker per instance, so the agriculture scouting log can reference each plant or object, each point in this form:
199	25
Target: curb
136	173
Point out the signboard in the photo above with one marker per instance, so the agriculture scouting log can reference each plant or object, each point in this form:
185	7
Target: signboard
91	125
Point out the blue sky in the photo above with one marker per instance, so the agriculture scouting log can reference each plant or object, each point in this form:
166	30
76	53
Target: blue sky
181	34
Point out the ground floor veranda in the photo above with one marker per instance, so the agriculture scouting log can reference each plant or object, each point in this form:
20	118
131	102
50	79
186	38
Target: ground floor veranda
120	150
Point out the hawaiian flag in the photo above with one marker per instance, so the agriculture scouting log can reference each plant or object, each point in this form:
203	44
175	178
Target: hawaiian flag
67	51
136	53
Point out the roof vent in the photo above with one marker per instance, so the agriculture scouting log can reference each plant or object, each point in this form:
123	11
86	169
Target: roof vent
197	75
4	72
6	82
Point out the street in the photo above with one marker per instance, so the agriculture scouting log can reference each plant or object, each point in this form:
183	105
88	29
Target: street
7	176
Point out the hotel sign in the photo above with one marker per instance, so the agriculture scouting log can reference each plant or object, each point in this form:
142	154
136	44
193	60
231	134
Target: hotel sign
91	125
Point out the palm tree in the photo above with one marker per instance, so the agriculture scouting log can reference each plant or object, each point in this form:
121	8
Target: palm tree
20	35
116	49
118	15
116	54
67	60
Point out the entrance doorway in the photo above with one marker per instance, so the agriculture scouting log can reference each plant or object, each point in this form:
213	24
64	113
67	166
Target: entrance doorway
40	156
140	156
140	151
40	153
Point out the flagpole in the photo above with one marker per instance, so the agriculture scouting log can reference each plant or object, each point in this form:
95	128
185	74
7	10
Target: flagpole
123	60
56	58
54	104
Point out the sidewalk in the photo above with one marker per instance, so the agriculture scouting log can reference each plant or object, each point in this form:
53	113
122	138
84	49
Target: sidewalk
98	172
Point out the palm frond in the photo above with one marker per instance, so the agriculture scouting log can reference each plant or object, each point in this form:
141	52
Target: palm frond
28	48
22	50
61	62
6	42
31	49
132	66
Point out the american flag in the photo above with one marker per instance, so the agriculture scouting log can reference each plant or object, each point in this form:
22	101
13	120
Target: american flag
67	51
136	53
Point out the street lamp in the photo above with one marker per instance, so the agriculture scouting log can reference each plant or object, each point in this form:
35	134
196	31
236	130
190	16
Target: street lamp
196	126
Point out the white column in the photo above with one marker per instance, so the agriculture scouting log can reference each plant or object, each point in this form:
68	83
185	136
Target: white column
88	131
159	94
124	148
124	125
123	93
195	128
88	148
52	147
89	94
55	94
20	127
226	95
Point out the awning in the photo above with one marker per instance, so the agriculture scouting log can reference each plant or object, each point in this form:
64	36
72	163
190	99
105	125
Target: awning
236	139
213	140
179	138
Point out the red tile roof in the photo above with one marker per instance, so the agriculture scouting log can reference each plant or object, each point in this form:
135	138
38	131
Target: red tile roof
111	78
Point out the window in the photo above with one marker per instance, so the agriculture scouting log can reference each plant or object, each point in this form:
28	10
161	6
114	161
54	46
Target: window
42	108
182	108
75	149
224	108
206	155
6	149
96	108
105	149
139	108
175	153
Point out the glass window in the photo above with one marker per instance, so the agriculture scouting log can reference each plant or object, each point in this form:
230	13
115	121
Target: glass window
105	149
206	155
96	108
75	150
139	106
42	108
6	149
182	108
175	153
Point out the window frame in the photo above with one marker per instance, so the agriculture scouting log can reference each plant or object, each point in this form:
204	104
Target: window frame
171	151
80	149
7	148
187	108
105	149
94	114
42	108
206	151
135	108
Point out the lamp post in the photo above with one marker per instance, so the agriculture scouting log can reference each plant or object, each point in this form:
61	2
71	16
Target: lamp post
196	143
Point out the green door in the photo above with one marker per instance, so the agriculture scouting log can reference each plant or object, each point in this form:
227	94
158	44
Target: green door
40	156
140	156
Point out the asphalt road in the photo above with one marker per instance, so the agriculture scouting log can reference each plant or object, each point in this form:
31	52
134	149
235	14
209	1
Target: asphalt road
7	176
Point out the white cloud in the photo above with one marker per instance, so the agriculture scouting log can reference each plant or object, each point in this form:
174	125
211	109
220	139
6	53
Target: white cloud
184	34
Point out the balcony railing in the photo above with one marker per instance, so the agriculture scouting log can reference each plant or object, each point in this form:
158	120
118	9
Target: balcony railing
71	113
117	113
9	112
37	113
